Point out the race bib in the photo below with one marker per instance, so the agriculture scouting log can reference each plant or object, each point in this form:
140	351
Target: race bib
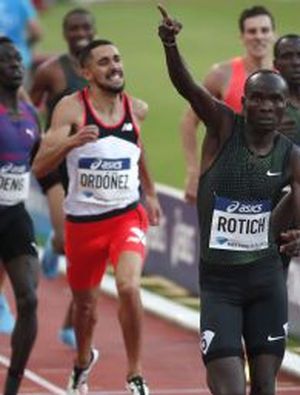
240	225
14	184
105	181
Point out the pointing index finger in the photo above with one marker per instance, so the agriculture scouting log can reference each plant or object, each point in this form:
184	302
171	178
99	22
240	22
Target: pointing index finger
163	11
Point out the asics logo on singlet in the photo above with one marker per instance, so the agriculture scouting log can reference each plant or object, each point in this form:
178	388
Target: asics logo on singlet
11	168
127	127
106	165
238	207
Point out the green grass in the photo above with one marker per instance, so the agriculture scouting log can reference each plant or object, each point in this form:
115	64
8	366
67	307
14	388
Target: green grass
209	35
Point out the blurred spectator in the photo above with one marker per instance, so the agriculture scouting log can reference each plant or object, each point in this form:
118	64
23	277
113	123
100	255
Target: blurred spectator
42	5
39	4
19	21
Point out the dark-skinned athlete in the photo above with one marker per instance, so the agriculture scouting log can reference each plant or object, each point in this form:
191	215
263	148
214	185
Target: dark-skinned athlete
245	164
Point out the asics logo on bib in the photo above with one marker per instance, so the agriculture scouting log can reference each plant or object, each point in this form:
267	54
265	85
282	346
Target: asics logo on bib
238	207
109	164
12	168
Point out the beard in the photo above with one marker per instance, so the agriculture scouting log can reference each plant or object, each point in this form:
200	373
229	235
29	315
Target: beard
111	89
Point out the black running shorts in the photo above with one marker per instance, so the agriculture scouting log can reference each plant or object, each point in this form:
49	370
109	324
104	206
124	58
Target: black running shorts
243	301
16	233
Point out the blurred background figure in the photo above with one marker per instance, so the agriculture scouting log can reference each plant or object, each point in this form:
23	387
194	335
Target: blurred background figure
19	21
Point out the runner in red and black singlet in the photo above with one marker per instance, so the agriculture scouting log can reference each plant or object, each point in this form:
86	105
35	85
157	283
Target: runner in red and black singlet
95	134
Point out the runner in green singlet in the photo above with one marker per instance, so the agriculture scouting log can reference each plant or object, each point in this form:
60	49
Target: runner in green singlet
245	164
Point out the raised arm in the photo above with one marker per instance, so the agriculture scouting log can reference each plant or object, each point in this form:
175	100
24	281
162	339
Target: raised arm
215	82
207	108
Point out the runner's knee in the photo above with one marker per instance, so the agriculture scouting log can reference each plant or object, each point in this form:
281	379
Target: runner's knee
226	376
128	289
263	370
87	310
27	303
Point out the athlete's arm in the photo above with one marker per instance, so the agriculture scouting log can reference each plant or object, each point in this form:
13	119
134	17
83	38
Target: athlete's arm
151	200
291	238
214	82
140	111
189	140
295	184
64	135
37	144
35	32
282	215
216	116
41	85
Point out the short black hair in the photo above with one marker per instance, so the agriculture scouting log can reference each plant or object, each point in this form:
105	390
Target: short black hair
85	53
261	72
75	11
290	36
5	40
256	10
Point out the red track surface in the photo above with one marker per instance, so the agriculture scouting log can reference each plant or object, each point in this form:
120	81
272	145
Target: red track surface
172	362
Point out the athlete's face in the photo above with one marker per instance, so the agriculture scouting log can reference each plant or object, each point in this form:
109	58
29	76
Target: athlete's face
105	69
79	31
265	101
287	60
11	67
258	36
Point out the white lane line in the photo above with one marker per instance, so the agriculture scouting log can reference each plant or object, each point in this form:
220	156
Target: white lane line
182	391
186	391
53	389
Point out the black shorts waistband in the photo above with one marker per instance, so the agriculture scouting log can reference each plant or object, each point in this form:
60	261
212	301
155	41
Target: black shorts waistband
99	217
272	260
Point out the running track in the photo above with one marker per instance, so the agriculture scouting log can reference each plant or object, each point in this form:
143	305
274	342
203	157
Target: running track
172	360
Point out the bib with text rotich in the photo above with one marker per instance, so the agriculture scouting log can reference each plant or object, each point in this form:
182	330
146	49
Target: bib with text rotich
239	225
14	184
106	181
